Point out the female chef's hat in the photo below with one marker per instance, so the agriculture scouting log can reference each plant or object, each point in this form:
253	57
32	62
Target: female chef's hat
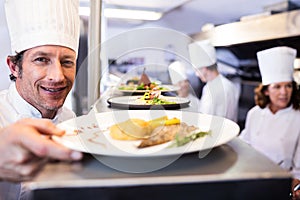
33	23
276	64
177	72
202	54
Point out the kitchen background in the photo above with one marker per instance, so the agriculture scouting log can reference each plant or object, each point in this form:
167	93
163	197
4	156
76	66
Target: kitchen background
237	28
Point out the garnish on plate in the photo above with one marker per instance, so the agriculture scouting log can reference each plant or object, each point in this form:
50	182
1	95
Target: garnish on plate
181	140
143	83
154	97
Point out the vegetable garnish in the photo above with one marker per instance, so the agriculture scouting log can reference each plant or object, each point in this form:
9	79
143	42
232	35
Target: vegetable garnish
142	86
154	97
183	140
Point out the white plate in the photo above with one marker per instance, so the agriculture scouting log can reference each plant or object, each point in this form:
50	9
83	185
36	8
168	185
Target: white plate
93	133
132	102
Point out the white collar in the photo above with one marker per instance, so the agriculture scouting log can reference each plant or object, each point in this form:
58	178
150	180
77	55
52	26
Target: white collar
279	112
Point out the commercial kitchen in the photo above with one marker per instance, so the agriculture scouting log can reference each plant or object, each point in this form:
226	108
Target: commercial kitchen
115	51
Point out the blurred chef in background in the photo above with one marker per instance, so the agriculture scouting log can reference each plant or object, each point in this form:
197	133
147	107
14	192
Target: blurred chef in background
178	75
219	96
272	126
44	42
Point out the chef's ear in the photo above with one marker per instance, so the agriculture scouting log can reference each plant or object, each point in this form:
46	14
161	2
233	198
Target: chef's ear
13	67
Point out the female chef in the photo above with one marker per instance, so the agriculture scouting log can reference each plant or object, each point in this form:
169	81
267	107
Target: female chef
272	126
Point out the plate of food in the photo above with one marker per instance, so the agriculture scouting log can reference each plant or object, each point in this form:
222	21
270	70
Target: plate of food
143	84
142	88
150	100
146	133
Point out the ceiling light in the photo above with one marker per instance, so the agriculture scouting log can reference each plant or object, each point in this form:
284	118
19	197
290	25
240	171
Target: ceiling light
131	14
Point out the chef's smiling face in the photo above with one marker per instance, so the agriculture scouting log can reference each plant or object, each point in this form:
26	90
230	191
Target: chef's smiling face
280	95
47	76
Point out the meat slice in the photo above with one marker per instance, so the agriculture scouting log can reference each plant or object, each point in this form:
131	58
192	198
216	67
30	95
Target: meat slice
162	134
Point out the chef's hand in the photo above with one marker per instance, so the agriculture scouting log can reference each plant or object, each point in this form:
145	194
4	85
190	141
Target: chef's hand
25	147
184	88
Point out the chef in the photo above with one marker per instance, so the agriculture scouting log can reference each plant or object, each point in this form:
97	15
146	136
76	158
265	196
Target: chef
44	44
219	95
177	72
272	126
178	75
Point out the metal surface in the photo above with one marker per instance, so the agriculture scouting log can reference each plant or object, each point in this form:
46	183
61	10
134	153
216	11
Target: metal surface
234	168
271	27
233	161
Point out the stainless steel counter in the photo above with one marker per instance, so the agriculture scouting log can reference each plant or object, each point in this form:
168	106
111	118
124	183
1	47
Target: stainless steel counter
230	171
233	171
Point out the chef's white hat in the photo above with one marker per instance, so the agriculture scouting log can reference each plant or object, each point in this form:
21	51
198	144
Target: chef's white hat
177	72
202	54
33	23
276	64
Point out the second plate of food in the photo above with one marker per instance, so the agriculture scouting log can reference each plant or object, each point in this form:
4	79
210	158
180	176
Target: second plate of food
136	102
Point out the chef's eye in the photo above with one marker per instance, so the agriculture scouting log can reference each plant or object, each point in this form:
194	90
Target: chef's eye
276	86
289	85
41	60
68	63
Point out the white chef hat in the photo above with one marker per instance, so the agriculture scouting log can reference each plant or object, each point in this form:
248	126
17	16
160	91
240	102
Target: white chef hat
33	23
276	64
202	54
177	72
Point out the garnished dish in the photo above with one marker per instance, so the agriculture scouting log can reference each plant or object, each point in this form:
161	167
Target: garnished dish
146	133
150	99
143	102
144	84
153	97
156	131
142	88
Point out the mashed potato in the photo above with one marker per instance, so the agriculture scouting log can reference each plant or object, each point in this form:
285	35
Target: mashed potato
137	129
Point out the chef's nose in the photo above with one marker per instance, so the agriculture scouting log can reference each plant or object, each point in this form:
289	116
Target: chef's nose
55	72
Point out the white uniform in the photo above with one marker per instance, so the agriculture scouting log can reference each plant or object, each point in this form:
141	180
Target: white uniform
220	97
12	108
275	135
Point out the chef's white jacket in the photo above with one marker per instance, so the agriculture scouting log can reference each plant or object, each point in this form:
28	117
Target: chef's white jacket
275	135
220	97
12	108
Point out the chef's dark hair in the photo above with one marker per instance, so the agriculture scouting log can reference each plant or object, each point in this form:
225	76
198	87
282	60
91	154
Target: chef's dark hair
17	60
263	100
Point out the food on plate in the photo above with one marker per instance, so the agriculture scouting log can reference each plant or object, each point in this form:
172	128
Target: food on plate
133	81
142	86
117	134
131	129
156	131
142	83
136	129
144	79
181	140
154	97
166	133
